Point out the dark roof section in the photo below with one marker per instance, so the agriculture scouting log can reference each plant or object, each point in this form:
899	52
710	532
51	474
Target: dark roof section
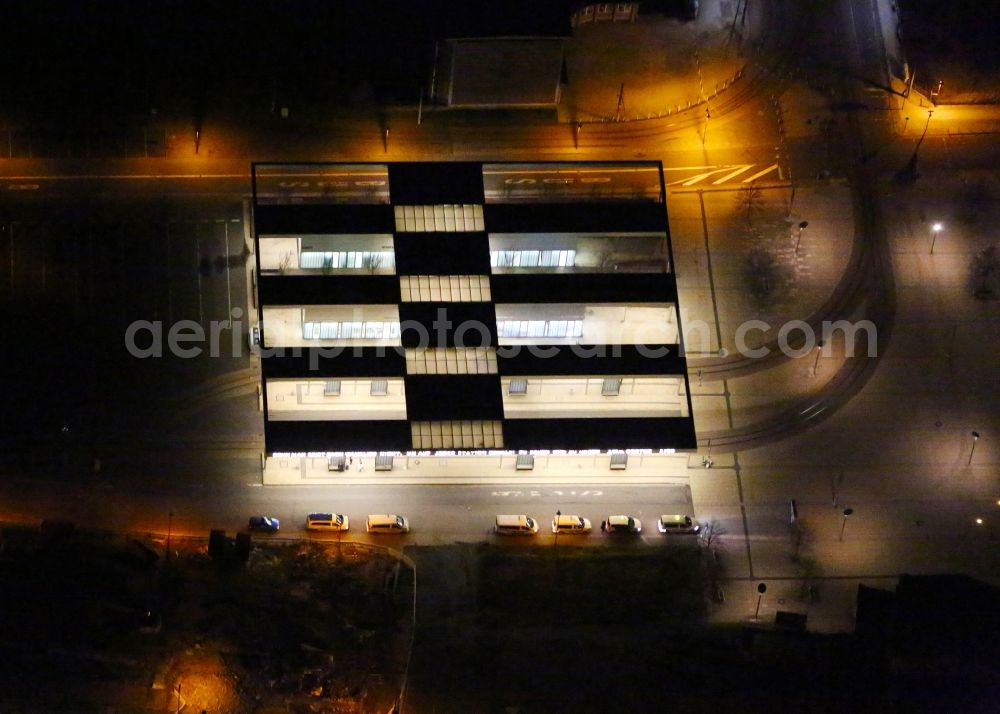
568	217
299	218
625	433
591	287
329	289
443	182
442	253
944	614
433	397
303	436
453	324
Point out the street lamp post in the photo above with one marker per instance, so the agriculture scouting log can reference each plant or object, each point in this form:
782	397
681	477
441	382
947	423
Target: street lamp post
975	438
761	589
802	226
935	229
847	514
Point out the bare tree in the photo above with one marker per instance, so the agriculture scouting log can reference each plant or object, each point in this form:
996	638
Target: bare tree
751	201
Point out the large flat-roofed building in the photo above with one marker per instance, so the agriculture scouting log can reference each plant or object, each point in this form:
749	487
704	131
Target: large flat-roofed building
502	310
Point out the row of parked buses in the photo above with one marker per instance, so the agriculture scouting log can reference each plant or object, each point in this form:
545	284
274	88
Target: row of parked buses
504	525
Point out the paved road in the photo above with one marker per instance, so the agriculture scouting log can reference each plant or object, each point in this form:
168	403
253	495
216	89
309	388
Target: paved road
437	514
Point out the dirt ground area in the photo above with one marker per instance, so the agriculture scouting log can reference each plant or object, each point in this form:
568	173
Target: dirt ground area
107	621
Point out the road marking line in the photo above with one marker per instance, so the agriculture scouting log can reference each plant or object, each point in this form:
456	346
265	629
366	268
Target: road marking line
691	181
757	175
734	174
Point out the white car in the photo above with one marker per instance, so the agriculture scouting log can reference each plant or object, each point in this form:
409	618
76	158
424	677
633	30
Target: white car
677	524
621	524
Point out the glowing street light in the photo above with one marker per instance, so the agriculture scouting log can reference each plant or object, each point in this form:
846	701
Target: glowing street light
935	229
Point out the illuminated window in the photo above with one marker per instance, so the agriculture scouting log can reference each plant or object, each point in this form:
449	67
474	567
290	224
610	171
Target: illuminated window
452	360
457	434
447	218
539	328
334	260
350	330
444	288
331	388
533	258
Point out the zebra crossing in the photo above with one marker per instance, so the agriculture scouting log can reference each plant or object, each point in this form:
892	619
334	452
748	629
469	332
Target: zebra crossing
716	175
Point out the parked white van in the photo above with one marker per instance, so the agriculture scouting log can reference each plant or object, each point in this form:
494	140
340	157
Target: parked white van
571	524
515	525
387	523
327	522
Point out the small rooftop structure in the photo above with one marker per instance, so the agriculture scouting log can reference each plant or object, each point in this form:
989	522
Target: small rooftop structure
500	72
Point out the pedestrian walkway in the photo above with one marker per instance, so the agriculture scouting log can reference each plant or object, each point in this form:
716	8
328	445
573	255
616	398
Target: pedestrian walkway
589	470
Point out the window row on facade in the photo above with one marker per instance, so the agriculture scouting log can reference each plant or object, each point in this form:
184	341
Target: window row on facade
516	324
374	254
534	397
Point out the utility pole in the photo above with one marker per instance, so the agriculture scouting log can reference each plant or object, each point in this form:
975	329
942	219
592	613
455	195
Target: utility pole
620	111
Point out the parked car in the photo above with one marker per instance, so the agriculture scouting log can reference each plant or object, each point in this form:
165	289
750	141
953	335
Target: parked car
327	522
571	524
677	524
387	523
515	525
621	524
264	524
